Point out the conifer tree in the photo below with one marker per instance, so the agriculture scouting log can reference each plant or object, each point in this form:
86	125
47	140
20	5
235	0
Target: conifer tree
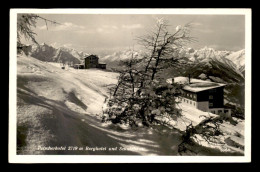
25	25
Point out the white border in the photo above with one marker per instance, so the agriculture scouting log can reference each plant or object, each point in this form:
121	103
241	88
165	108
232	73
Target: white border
13	158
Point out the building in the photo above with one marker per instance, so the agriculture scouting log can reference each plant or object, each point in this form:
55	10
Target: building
203	95
91	61
102	66
78	66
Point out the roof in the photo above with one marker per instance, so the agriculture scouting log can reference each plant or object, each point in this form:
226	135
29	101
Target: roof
196	85
92	55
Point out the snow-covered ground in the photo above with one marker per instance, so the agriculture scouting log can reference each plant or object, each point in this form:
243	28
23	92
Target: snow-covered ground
61	107
231	141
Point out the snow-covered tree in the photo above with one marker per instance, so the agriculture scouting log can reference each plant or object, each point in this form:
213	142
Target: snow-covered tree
141	95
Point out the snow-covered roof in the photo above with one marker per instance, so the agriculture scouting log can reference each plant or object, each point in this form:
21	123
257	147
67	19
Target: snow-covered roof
195	85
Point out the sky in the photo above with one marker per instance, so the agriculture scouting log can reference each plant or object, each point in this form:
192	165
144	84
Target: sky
106	33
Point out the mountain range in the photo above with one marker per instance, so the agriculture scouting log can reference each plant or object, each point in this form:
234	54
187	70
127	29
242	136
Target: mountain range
205	56
206	63
45	52
202	58
227	65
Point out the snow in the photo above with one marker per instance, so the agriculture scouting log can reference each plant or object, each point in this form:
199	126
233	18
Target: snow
238	58
190	115
59	107
63	107
194	116
121	55
179	27
195	85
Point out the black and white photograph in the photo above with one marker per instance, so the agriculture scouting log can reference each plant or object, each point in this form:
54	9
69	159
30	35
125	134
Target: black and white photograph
130	85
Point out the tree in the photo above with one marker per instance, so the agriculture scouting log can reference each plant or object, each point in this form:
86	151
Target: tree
208	129
25	23
140	94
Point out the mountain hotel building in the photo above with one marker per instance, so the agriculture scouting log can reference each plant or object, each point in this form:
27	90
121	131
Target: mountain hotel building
203	95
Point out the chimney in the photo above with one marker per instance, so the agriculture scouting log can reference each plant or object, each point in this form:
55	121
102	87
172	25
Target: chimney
189	78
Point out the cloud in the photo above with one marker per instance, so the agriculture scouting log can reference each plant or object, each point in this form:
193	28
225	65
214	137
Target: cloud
107	29
132	26
109	26
202	28
67	26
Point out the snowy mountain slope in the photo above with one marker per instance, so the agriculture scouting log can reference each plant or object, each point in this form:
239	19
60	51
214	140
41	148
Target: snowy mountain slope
220	70
121	55
113	60
238	58
48	53
49	97
216	67
234	60
58	107
78	54
206	56
206	64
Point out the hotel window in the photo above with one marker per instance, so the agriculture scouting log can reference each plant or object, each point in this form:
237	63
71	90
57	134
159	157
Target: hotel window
194	96
190	102
210	104
210	97
194	104
219	111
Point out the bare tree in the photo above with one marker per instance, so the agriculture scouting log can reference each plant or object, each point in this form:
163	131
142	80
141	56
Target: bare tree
139	94
163	48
